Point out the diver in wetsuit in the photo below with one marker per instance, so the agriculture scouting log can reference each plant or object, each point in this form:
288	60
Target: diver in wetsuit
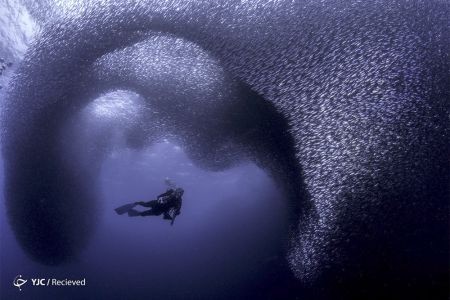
168	204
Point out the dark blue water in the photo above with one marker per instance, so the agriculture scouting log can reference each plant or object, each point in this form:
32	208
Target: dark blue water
226	241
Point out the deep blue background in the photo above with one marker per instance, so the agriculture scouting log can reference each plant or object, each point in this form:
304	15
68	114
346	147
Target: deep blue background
227	239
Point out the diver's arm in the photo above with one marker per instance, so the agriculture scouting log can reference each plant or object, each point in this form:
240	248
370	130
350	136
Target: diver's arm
174	215
178	208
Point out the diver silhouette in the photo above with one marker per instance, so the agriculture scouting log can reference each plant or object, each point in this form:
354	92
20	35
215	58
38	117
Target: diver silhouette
167	204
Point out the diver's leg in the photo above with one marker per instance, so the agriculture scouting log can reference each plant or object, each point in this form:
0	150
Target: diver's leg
151	203
150	212
133	213
154	211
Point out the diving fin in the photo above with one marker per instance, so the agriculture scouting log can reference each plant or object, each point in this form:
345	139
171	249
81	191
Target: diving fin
124	208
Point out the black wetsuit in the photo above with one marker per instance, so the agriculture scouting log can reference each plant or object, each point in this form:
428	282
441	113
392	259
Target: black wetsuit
170	202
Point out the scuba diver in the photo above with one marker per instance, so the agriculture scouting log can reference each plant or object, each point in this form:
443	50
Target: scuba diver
167	204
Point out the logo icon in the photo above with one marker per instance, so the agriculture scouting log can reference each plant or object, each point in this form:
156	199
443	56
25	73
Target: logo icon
18	281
